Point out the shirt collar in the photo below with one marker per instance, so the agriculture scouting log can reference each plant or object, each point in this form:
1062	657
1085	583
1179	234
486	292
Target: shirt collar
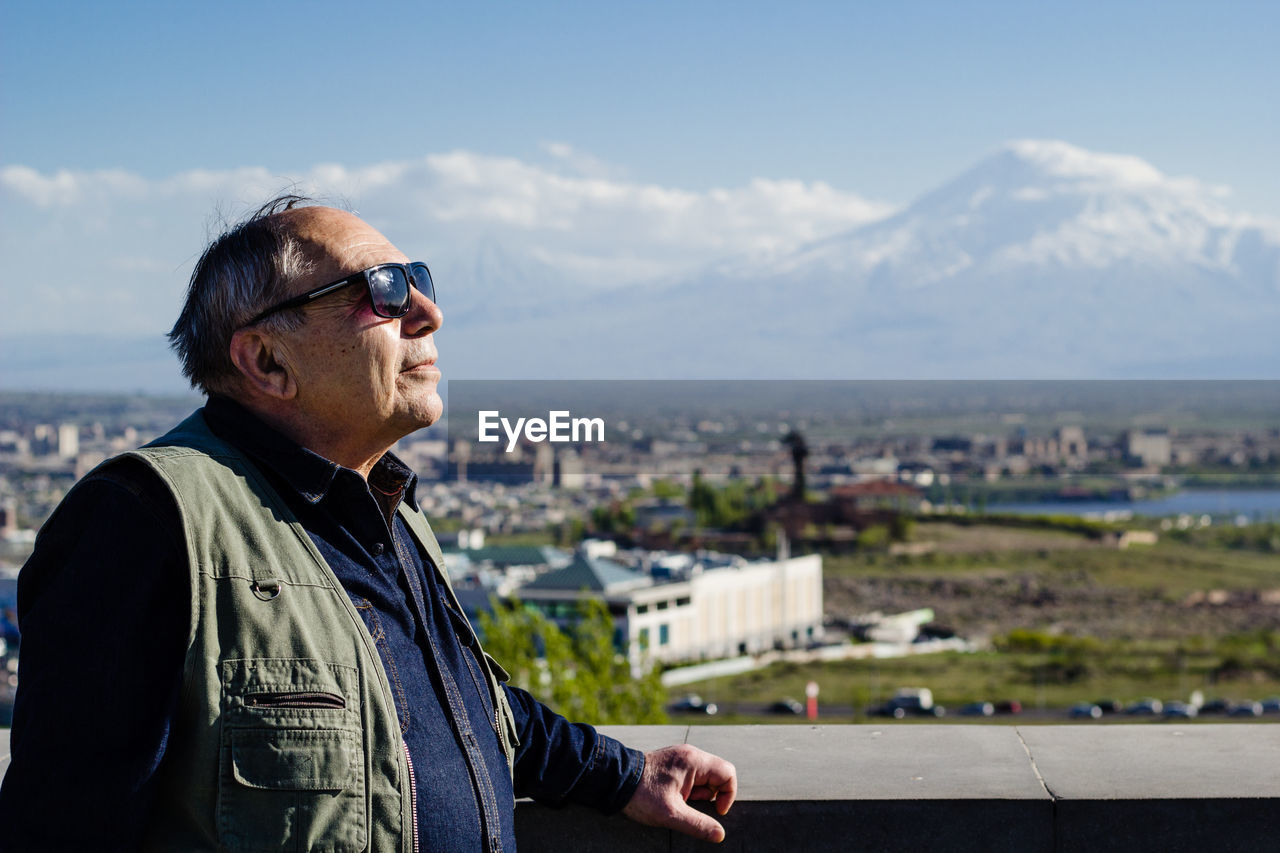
307	472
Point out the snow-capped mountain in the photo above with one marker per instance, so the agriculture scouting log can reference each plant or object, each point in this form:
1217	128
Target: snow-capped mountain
1043	260
1045	206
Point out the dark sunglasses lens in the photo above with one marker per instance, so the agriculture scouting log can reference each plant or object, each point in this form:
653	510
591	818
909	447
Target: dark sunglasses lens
422	281
389	291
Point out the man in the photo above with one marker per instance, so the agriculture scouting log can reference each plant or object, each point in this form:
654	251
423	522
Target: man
241	637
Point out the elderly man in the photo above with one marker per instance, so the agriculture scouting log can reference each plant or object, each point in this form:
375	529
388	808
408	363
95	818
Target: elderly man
241	636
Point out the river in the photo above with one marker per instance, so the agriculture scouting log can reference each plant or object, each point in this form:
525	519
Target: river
1253	504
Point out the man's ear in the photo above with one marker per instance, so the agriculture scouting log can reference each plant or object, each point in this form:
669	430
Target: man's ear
262	364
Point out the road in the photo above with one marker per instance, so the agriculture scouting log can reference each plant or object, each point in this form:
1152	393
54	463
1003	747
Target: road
740	712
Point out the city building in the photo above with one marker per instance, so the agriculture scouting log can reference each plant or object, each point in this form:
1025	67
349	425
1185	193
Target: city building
1152	449
68	441
688	607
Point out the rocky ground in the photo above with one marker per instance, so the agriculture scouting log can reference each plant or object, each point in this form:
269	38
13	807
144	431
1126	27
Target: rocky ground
986	605
982	582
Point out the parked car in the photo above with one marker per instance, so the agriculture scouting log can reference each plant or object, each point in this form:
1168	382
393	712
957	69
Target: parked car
1180	709
1145	707
1086	710
978	709
1247	708
692	703
898	710
787	706
1217	706
916	701
1110	706
1008	706
1271	706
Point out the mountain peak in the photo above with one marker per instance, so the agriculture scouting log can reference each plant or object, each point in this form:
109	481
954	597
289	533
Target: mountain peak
1062	160
1041	210
1065	180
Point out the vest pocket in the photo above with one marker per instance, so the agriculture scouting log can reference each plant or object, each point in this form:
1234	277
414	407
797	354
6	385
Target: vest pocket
292	773
282	760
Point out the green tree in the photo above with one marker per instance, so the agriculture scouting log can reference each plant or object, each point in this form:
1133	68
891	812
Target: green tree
873	538
666	489
577	672
719	508
618	517
901	527
702	500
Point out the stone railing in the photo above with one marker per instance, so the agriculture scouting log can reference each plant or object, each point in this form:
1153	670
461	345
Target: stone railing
930	787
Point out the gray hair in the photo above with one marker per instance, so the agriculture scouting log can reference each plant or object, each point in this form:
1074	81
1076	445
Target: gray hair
250	266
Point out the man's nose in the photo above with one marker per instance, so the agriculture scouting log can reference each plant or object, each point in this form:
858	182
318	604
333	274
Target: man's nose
424	316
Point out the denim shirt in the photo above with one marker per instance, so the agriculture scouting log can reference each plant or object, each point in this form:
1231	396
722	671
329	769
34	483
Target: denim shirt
90	641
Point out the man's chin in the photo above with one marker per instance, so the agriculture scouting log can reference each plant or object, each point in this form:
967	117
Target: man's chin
436	411
429	410
423	396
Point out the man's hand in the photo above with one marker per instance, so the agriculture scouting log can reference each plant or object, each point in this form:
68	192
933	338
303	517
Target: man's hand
676	774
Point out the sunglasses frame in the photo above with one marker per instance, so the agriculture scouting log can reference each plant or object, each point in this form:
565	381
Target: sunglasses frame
362	277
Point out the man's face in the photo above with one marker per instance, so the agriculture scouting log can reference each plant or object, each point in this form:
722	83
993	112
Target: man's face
361	378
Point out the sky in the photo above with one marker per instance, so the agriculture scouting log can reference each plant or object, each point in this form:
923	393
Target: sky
883	99
606	141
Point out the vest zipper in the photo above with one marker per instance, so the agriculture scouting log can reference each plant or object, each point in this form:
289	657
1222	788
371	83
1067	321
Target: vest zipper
413	794
295	699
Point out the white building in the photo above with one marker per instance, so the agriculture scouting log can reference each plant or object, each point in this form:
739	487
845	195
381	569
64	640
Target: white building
712	612
68	441
1153	449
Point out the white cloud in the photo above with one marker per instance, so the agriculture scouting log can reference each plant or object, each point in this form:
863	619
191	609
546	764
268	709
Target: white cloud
581	162
123	239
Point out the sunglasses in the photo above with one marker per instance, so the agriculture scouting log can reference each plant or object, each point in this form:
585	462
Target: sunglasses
388	286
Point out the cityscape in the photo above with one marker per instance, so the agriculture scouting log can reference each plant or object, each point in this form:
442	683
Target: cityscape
988	548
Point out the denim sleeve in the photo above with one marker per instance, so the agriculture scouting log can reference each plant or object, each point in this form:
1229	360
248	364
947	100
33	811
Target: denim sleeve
559	761
103	610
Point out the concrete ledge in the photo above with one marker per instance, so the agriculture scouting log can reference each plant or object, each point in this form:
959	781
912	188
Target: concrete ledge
965	788
1157	762
958	788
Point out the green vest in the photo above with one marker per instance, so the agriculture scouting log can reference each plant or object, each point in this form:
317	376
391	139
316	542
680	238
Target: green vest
286	735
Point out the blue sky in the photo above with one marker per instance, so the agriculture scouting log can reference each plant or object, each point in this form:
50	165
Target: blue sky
546	151
881	99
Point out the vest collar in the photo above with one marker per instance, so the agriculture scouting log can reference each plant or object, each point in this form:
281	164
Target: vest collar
305	471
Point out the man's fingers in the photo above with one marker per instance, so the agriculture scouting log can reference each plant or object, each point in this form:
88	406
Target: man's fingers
722	778
690	821
702	792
